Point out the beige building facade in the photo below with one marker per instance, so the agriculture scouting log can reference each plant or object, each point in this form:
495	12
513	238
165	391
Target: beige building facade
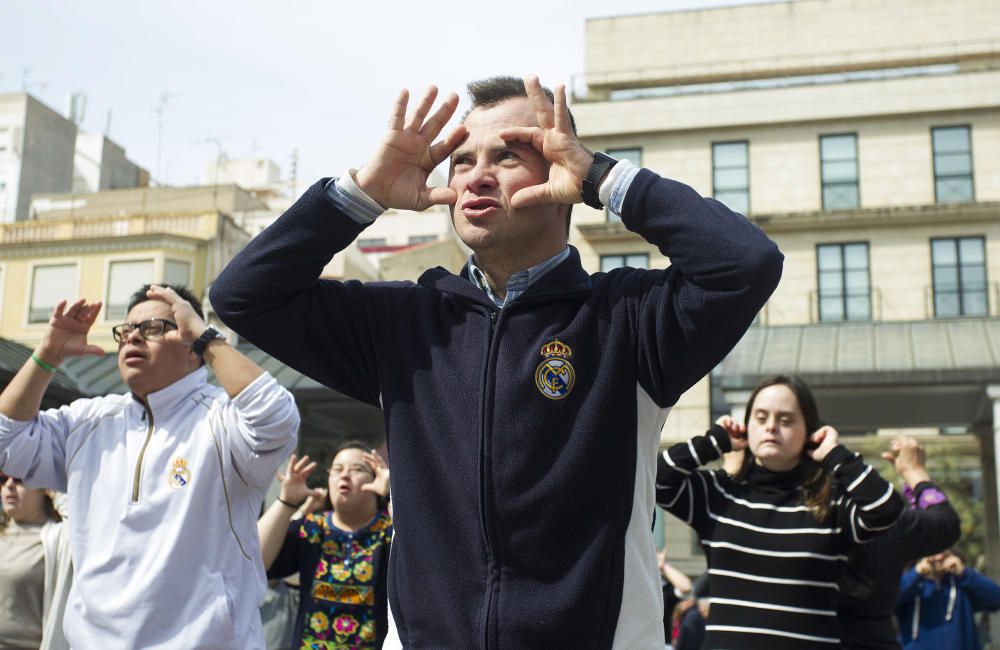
871	155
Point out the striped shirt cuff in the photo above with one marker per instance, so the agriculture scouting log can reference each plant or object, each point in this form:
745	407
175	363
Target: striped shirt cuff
613	189
351	199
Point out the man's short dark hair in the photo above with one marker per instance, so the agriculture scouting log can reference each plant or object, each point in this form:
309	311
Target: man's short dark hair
182	291
494	90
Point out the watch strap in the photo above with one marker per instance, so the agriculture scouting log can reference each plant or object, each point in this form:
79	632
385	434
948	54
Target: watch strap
592	183
210	334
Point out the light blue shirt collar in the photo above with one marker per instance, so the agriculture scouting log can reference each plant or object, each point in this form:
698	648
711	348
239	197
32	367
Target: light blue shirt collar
518	282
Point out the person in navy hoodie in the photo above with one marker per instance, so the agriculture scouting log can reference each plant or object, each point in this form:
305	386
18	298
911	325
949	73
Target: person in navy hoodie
936	603
524	397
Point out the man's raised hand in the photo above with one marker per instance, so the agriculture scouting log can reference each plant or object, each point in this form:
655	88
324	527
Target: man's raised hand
189	324
554	138
396	176
66	335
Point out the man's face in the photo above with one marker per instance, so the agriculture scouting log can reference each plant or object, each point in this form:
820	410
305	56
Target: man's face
148	366
486	172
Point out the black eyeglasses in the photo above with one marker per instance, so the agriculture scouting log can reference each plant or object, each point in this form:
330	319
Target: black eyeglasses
150	330
4	478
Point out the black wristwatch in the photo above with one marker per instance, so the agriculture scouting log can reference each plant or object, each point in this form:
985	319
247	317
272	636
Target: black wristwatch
210	334
602	163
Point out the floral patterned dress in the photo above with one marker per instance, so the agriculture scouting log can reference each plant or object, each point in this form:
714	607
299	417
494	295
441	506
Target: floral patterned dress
338	608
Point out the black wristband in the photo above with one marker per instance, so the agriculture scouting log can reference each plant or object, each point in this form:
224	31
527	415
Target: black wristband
290	505
592	183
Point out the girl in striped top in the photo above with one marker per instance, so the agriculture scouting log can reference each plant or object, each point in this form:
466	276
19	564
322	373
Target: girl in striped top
776	535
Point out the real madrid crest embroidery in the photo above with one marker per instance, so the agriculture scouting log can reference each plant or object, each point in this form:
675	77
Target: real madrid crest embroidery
555	375
179	474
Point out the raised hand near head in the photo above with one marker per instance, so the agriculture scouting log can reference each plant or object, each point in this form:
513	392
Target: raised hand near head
737	432
380	485
825	439
189	324
909	459
66	335
396	175
554	139
294	490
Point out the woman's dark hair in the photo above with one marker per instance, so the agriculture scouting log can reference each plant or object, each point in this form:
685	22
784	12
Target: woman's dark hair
382	502
816	482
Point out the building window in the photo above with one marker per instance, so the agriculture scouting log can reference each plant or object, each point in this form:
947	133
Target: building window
372	242
839	171
635	260
124	279
844	283
634	156
421	239
959	276
176	272
952	164
49	285
731	174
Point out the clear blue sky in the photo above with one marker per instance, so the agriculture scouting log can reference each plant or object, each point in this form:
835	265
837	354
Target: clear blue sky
265	78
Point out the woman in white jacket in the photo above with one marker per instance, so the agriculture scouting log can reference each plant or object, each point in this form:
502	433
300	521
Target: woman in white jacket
35	569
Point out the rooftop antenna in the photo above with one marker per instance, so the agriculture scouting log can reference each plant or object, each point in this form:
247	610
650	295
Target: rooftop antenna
107	123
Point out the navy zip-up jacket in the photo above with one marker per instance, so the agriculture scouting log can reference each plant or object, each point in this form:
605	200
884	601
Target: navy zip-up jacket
522	442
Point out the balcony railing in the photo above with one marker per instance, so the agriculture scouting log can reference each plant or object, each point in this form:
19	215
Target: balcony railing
200	226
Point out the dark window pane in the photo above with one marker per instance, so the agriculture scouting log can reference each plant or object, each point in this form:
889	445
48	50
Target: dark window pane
951	139
954	190
729	154
831	283
632	155
738	201
729	179
831	309
637	261
859	308
856	256
857	281
970	250
974	303
945	278
944	251
829	257
973	277
609	262
953	164
945	304
840	171
840	197
833	147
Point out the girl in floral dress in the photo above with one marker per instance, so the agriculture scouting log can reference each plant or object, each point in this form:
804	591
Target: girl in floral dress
340	554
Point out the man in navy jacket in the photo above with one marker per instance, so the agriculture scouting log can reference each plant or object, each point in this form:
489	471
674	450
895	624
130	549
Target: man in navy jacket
523	398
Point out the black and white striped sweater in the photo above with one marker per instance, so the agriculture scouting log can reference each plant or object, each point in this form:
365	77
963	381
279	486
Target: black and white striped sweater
773	568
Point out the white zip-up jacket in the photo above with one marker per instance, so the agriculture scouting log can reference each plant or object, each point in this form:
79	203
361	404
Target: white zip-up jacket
163	507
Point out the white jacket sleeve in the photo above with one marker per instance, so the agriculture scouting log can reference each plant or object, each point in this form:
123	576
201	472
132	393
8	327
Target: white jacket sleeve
35	450
261	429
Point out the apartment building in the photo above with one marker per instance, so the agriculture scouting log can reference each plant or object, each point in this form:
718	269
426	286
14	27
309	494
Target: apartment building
871	155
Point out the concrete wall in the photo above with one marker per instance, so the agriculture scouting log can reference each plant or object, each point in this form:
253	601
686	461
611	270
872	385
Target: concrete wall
41	159
777	38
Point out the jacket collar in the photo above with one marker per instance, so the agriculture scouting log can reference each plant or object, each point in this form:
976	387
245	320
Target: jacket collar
169	397
566	279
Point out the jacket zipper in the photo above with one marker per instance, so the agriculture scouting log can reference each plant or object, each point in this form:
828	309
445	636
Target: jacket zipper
483	485
142	452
